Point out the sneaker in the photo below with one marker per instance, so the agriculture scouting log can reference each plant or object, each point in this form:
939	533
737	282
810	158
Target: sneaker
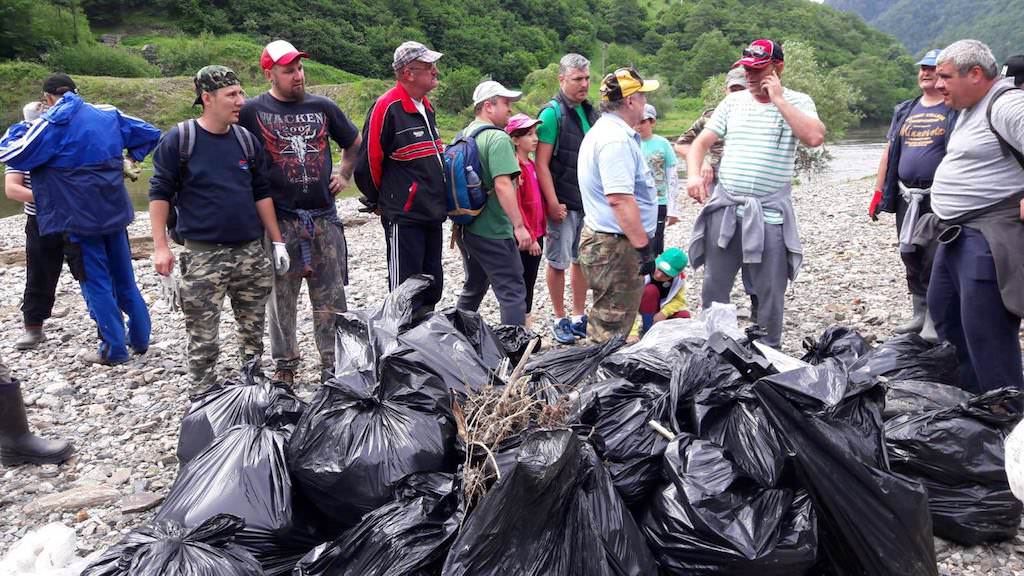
561	329
30	339
579	329
94	357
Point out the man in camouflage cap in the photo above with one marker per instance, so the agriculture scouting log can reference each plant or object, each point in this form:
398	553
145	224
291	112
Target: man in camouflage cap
211	174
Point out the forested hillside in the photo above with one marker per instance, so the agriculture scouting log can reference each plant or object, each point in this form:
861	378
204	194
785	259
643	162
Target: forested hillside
683	43
924	24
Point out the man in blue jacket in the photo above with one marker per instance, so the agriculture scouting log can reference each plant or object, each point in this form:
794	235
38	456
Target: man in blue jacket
75	152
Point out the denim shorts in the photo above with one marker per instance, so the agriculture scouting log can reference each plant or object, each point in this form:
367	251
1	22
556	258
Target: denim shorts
562	240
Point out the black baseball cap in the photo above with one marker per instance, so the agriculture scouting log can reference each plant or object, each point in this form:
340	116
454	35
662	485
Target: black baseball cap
57	81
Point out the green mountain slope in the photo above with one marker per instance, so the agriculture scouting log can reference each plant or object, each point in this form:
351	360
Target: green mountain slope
924	24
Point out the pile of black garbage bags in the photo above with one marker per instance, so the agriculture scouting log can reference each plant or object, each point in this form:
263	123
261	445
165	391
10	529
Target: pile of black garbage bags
683	454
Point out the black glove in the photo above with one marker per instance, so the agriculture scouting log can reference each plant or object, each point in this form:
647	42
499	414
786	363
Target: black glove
646	255
368	206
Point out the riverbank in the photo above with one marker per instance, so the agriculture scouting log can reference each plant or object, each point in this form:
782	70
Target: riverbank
124	420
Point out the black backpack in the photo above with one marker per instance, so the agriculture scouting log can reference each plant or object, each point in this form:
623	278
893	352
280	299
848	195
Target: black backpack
1007	148
186	144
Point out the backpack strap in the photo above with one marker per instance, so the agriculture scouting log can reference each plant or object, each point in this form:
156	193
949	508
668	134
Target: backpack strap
186	140
480	129
555	105
246	141
1008	150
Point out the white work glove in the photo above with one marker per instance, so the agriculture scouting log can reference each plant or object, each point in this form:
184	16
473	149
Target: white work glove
281	260
170	293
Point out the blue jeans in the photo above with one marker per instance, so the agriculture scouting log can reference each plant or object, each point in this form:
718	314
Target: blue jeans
109	289
964	301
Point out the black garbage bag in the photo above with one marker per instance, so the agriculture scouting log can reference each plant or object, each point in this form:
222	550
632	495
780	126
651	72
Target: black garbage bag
165	548
556	513
712	519
730	416
436	343
355	442
479	334
616	413
908	357
559	371
957	453
654	357
870	521
840	342
233	402
903	396
244	473
514	340
852	412
408	536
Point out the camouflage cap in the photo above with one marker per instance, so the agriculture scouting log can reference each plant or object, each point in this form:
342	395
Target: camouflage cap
210	78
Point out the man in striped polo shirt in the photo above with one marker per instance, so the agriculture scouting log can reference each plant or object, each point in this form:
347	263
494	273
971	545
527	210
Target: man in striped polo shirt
749	220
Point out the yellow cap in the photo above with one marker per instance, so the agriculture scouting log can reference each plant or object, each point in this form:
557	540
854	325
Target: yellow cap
623	82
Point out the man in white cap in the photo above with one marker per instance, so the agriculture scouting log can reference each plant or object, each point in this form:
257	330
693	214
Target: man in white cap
490	244
296	128
401	173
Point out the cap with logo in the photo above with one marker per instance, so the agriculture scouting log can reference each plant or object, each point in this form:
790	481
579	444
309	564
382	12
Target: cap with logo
650	112
735	77
1014	68
520	122
930	58
625	82
411	51
489	89
213	77
279	52
760	53
672	262
57	81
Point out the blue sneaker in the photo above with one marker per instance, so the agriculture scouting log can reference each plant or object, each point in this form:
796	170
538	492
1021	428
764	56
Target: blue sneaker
562	331
579	329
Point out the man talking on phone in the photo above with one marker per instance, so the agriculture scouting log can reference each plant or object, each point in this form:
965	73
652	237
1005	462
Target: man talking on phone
748	220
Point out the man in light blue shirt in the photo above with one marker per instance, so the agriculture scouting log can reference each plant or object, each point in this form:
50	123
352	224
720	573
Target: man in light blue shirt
620	203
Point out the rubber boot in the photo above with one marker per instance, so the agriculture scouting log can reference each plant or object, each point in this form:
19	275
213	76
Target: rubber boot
916	321
17	444
928	332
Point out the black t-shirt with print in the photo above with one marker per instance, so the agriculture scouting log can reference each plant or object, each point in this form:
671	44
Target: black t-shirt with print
296	137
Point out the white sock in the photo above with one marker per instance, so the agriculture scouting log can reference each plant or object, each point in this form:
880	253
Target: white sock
577	319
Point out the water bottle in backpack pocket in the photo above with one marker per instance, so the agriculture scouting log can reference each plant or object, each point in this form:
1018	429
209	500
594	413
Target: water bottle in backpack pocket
466	194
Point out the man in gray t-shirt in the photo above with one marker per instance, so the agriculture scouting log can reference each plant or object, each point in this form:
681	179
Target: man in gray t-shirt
976	293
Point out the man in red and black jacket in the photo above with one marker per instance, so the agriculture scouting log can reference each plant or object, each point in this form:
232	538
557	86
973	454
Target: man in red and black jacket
400	170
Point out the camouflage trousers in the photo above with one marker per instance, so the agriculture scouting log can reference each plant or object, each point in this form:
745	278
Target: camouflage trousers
610	266
245	275
326	276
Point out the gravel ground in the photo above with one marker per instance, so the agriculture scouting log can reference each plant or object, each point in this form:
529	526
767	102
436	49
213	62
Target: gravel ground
124	420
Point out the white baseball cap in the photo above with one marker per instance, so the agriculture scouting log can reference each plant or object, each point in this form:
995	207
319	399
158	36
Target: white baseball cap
489	89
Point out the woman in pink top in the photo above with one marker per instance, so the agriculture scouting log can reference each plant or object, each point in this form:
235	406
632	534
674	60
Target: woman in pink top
523	131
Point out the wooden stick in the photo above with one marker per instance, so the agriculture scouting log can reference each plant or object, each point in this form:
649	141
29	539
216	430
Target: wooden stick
661	430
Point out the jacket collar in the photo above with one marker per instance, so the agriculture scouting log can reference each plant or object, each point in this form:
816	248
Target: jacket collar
407	104
64	109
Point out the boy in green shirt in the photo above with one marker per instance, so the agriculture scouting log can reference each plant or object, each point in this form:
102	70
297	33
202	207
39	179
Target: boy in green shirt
490	244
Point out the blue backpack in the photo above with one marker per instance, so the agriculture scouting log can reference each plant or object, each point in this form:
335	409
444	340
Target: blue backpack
466	194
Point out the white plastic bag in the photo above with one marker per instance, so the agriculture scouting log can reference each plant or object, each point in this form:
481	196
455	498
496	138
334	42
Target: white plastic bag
46	551
1015	461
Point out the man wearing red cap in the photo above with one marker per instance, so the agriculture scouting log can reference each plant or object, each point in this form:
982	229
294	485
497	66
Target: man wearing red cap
295	129
749	221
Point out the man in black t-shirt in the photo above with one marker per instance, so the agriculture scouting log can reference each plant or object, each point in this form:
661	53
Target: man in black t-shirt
916	144
296	129
220	192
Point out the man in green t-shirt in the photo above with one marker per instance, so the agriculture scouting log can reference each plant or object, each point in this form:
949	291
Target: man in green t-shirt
564	121
490	244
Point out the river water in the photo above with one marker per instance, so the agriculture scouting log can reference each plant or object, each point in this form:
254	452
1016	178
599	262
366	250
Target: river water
855	157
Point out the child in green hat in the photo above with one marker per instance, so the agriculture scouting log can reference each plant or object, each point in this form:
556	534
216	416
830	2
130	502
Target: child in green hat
664	292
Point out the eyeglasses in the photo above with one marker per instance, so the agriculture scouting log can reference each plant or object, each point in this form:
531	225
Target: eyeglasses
430	68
